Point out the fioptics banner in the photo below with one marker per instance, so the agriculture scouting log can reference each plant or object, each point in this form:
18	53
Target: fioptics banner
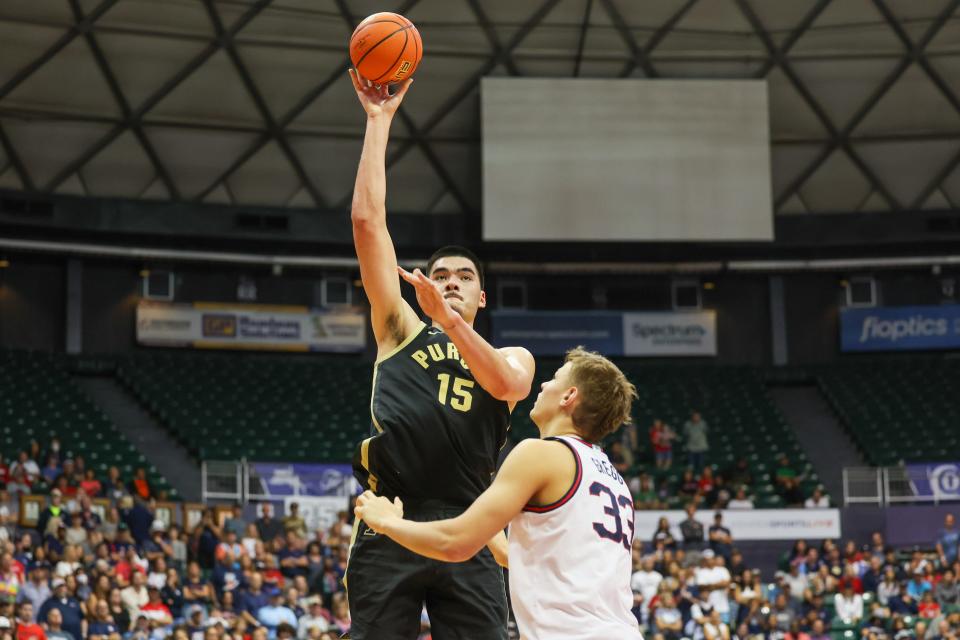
241	326
937	481
751	524
900	328
661	334
274	480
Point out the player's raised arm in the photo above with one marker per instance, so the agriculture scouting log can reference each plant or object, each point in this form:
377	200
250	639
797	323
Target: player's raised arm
506	374
527	471
392	318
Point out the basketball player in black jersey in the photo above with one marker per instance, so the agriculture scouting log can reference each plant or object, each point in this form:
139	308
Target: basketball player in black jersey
440	412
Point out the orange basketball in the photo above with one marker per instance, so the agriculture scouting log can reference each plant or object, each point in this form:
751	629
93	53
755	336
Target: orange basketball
386	48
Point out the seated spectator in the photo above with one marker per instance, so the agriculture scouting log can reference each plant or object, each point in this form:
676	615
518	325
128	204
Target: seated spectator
267	526
948	591
705	481
69	607
102	625
275	613
19	483
31	471
620	458
795	585
715	628
646	583
739	474
136	595
340	613
316	618
293	521
817	500
667	621
140	486
849	605
819	631
918	585
51	470
26	628
785	470
645	496
55	509
76	533
114	488
235	522
663	536
720	495
741	500
791	493
928	607
851	579
661	438
688	485
90	485
903	603
155	610
55	629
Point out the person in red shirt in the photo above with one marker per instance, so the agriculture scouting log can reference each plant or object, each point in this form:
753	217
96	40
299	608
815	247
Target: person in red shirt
155	611
27	629
850	578
90	485
705	483
661	437
928	607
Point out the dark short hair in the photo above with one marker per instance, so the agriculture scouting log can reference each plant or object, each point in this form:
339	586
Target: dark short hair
460	252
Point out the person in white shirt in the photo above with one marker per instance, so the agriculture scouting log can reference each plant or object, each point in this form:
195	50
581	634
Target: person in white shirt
849	605
741	500
314	618
818	500
796	584
569	510
646	582
135	596
713	580
715	628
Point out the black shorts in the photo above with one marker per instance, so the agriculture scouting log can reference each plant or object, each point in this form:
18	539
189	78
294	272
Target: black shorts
387	586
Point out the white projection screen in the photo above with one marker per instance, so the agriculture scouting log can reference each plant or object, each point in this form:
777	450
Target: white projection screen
626	160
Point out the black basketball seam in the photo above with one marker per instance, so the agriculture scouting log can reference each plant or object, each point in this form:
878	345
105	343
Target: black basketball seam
406	39
364	56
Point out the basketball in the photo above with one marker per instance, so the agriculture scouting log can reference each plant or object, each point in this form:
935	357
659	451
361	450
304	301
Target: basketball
386	48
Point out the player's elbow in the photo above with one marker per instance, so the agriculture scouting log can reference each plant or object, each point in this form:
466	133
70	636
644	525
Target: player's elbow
453	549
365	215
510	389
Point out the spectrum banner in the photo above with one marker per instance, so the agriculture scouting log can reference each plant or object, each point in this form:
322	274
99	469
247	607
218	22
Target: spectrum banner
656	334
282	480
242	326
751	524
936	481
900	328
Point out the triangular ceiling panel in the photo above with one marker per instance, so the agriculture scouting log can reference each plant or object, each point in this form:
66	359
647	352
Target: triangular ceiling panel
446	204
412	168
266	178
304	22
301	200
448	25
338	110
874	203
46	147
73	186
156	60
49	11
545	68
360	9
156	191
779	19
912	105
440	79
937	201
184	18
462	120
557	35
70	81
219	195
790	115
646	18
905	168
793	206
284	75
948	68
848	25
717	26
22	44
230	11
788	161
122	169
462	162
334	180
951	185
10	180
946	39
603	41
214	93
916	17
195	158
837	186
842	87
739	68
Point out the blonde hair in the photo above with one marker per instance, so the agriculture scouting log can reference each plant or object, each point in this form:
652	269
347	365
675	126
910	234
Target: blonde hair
605	394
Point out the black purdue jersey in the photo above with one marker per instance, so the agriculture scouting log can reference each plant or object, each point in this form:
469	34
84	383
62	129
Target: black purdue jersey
437	432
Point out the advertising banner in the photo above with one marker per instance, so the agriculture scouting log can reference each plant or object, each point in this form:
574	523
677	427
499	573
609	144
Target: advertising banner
935	481
283	328
900	328
553	333
280	479
678	333
751	524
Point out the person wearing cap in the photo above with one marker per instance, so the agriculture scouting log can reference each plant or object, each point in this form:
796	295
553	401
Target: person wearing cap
35	589
275	614
155	610
315	617
27	629
69	607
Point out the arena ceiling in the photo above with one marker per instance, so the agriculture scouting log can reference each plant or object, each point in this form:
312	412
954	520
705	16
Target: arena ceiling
248	101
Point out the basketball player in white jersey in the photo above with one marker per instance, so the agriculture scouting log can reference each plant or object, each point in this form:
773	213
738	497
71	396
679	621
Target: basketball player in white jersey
570	513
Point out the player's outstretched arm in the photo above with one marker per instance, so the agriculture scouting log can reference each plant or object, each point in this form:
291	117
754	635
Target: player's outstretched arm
506	374
525	472
392	318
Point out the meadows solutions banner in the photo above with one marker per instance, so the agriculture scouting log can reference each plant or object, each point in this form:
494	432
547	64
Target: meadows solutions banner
242	326
900	328
751	524
936	481
655	334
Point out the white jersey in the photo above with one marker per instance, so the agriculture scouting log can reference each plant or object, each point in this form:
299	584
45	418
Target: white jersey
571	561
